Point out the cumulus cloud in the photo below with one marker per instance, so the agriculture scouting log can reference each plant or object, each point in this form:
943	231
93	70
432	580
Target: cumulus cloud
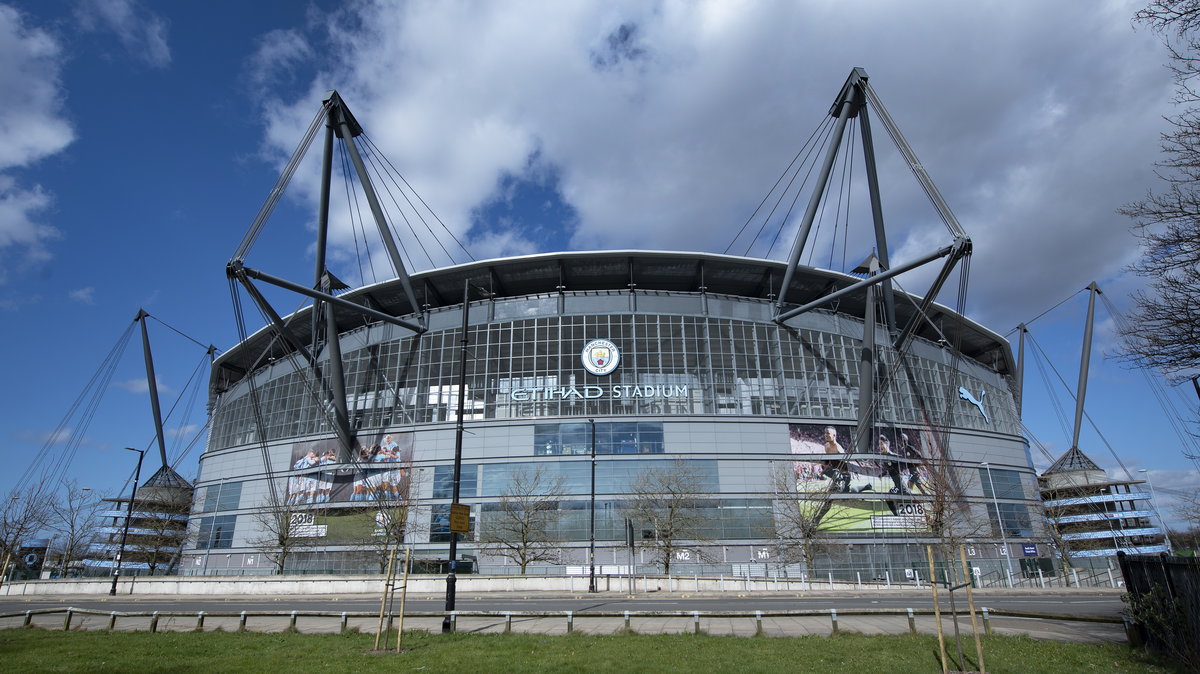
32	127
665	123
141	32
83	295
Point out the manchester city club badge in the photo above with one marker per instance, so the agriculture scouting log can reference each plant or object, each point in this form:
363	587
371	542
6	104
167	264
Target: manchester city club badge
600	357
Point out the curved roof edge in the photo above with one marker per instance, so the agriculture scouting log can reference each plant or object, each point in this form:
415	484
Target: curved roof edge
623	270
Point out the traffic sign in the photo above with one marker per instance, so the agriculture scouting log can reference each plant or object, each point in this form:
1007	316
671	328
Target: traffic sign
460	518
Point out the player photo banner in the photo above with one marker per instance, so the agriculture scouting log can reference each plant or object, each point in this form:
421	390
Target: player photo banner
861	492
373	476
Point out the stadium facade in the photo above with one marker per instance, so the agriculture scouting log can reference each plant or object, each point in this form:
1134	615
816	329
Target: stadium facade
693	365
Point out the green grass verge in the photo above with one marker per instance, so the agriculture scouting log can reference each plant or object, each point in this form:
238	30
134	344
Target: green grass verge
47	651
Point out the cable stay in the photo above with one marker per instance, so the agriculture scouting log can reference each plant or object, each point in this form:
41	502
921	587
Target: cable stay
855	101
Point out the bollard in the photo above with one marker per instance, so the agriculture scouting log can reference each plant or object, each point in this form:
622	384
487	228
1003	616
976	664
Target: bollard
28	619
695	622
1075	575
453	622
696	580
570	622
292	622
112	621
887	575
67	620
1041	579
833	619
242	622
758	628
1111	583
831	581
917	577
857	579
345	622
154	622
508	623
200	621
627	621
987	621
912	622
722	585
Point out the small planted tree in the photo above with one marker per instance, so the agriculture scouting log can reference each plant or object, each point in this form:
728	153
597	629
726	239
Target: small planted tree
285	528
667	506
799	517
521	528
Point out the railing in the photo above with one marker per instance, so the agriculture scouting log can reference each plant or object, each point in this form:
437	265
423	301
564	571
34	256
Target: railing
116	619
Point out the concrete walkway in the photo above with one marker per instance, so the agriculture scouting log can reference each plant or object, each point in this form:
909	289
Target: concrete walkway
559	624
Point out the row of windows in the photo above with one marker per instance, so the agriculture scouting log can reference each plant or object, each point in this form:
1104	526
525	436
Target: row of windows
682	365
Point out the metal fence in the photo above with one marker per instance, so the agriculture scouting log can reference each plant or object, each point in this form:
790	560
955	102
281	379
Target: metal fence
1164	603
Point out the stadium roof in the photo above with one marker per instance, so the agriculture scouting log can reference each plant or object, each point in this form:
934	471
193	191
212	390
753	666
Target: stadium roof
618	270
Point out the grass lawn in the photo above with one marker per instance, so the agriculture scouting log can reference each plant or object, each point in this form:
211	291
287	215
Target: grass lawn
35	650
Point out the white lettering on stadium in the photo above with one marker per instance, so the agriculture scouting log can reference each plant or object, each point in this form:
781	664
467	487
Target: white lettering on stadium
590	392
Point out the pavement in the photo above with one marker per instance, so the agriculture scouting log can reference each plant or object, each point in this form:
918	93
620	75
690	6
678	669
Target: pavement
646	622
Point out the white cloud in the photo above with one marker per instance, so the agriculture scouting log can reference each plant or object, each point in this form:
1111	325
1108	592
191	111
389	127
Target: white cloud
666	123
140	386
84	295
142	32
32	128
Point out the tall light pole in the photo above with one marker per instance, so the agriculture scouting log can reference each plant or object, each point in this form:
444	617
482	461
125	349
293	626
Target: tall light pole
137	474
1154	507
999	522
592	527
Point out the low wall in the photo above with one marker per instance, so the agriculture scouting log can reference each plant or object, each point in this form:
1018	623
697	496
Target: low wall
423	584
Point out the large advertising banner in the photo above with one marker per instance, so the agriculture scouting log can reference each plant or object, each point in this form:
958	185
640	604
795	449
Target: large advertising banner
867	485
378	470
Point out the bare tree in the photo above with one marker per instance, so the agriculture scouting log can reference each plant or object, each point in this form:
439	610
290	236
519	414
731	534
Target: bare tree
521	528
75	521
22	514
395	507
1164	329
666	505
800	518
284	528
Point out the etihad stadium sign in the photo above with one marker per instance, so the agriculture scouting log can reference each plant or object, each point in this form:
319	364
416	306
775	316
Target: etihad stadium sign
599	357
615	391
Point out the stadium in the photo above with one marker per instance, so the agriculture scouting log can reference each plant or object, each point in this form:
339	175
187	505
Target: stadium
803	420
704	375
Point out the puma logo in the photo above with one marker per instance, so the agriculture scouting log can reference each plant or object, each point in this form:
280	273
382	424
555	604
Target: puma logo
966	395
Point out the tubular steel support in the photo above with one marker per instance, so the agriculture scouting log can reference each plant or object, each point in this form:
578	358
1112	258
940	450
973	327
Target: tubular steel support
866	367
153	385
843	106
960	249
236	268
881	245
323	221
347	129
1084	362
1021	330
337	379
882	276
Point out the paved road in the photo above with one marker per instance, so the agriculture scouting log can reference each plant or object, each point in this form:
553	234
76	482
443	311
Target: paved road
1098	604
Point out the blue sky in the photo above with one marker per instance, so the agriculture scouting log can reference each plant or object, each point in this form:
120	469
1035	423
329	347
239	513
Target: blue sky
138	141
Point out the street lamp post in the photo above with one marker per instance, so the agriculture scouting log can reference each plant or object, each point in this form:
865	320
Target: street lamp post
592	527
999	522
1154	507
137	474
